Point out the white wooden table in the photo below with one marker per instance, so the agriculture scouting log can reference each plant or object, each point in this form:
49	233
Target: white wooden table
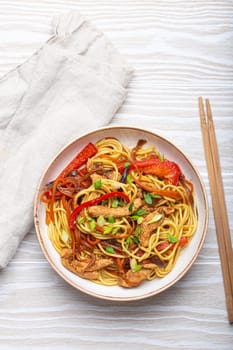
180	50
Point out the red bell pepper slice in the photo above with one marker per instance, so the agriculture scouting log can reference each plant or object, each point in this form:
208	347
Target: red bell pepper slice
81	158
183	241
94	201
166	169
153	165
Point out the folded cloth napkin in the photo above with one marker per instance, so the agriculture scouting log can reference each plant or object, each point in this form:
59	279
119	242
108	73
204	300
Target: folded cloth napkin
74	83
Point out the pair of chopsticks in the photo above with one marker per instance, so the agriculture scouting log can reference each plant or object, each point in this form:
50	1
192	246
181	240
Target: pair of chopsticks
218	202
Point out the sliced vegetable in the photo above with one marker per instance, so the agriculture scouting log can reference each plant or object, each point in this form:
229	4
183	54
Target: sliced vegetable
135	239
156	218
98	184
80	159
101	221
92	225
183	241
128	241
111	219
107	230
162	168
115	203
46	196
64	236
137	231
81	220
129	179
110	249
165	169
94	201
126	165
134	266
148	198
115	230
171	238
131	207
155	195
140	212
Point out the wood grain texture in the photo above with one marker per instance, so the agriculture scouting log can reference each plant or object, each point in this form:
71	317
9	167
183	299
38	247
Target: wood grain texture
180	50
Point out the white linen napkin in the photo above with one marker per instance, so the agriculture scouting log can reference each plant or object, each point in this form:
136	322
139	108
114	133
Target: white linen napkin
74	83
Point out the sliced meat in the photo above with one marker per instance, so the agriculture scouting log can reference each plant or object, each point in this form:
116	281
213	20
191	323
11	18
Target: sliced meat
88	268
147	228
84	266
133	279
97	210
87	275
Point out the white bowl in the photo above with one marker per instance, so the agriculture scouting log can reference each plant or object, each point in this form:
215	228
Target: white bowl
128	136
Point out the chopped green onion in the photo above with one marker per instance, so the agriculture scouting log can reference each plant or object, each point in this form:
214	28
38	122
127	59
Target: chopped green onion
121	202
171	238
140	220
137	268
109	249
148	198
137	218
155	195
140	212
129	179
134	266
81	220
126	165
128	241
115	203
101	220
135	239
131	206
137	231
111	219
134	217
156	218
92	225
107	230
115	230
98	184
64	236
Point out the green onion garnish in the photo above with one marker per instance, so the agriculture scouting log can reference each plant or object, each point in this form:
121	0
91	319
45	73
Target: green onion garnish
111	219
109	249
131	206
107	230
134	266
140	212
92	225
129	179
126	165
148	198
97	184
156	218
171	238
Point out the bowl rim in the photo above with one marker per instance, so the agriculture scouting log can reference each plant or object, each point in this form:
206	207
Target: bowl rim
40	235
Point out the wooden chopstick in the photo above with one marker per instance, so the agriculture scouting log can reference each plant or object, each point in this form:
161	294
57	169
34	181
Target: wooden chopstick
218	202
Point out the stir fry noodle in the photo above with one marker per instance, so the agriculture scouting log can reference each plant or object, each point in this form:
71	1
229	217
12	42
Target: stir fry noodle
120	215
